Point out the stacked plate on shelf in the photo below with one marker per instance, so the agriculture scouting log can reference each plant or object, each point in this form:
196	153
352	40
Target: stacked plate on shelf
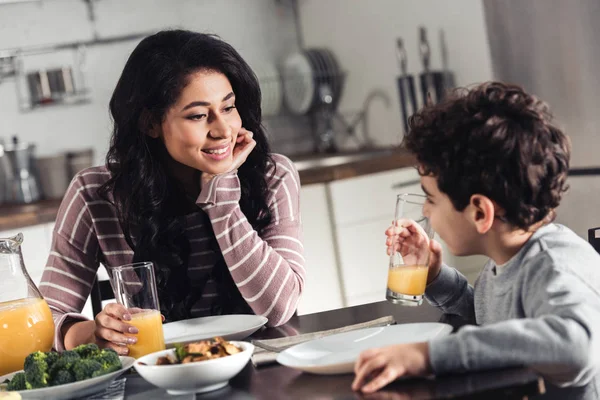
270	87
308	76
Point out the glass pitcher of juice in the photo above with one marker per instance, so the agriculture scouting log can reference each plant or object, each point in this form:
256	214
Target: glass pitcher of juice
26	323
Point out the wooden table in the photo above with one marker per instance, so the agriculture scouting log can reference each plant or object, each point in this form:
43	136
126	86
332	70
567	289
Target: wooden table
278	382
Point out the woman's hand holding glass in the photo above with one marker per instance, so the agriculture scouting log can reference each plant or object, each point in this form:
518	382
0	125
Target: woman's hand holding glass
112	327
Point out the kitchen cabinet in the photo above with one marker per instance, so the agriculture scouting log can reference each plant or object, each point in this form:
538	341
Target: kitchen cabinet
37	240
371	197
35	248
360	209
364	261
322	289
363	209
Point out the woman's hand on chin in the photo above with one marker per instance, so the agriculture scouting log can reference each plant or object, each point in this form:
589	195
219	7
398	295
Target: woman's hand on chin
244	144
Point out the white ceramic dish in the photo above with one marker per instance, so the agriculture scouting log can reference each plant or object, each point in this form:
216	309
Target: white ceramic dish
75	389
270	86
298	83
229	327
336	354
195	377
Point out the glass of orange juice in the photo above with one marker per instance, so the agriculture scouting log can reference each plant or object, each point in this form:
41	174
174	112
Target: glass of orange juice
409	260
135	288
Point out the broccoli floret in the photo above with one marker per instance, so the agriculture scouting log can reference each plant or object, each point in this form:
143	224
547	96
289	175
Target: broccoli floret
36	370
109	359
87	350
61	377
18	382
65	362
84	369
51	358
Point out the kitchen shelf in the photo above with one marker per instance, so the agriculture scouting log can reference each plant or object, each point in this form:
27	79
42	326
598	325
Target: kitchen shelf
78	98
53	47
12	66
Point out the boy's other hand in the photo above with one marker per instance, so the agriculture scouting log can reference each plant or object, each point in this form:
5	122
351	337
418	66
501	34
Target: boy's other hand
376	368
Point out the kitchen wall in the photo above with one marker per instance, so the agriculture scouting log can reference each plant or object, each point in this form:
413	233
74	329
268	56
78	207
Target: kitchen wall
362	34
258	29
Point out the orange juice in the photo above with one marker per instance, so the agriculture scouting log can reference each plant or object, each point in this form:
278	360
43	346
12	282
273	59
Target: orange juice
409	279
26	325
150	337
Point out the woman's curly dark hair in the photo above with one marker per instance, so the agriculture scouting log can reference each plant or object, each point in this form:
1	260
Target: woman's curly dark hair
498	141
148	201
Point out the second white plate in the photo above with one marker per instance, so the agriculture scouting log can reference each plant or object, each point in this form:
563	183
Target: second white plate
336	354
230	327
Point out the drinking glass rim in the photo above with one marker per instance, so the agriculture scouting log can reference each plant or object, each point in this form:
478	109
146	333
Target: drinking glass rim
133	266
404	197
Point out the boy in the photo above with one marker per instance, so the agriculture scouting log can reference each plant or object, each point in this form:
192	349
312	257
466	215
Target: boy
494	168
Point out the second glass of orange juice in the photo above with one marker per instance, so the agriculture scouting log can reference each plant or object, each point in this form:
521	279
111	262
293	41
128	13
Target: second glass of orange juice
409	260
135	288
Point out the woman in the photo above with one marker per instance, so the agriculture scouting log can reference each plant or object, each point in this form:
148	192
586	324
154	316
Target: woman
189	184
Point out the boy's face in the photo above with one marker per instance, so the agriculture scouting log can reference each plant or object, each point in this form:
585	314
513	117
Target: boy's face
452	226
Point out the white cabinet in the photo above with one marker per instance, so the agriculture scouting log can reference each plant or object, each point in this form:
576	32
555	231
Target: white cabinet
363	259
322	287
371	197
363	209
37	240
35	248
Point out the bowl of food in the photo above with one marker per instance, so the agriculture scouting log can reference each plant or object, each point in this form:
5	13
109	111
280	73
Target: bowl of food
196	367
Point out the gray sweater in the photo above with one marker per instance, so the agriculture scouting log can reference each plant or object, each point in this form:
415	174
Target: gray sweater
541	310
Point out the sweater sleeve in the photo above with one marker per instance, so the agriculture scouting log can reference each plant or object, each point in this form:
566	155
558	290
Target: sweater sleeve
451	293
72	264
559	338
268	268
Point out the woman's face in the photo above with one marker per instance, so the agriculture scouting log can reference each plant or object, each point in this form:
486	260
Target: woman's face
201	128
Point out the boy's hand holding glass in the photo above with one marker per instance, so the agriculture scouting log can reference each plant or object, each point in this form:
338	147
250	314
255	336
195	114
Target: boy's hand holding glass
410	248
435	250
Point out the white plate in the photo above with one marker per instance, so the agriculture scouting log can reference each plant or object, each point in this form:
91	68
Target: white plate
270	86
336	354
75	389
298	83
230	327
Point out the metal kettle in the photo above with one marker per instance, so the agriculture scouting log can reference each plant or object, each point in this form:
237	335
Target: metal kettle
20	175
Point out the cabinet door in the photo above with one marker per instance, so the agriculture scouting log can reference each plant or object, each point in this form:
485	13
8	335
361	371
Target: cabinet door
363	259
370	197
364	208
322	286
35	249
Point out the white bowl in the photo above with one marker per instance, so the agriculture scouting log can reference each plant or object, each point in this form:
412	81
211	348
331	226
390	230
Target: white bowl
195	377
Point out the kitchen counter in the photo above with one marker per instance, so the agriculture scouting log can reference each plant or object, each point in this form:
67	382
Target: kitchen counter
313	168
19	216
332	167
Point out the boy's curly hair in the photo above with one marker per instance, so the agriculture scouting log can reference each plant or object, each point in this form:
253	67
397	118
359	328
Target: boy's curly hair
498	141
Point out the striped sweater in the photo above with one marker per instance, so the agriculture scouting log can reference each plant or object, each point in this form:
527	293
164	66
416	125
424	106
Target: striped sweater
268	269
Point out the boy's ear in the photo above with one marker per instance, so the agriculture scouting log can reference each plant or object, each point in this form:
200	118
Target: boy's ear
483	213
